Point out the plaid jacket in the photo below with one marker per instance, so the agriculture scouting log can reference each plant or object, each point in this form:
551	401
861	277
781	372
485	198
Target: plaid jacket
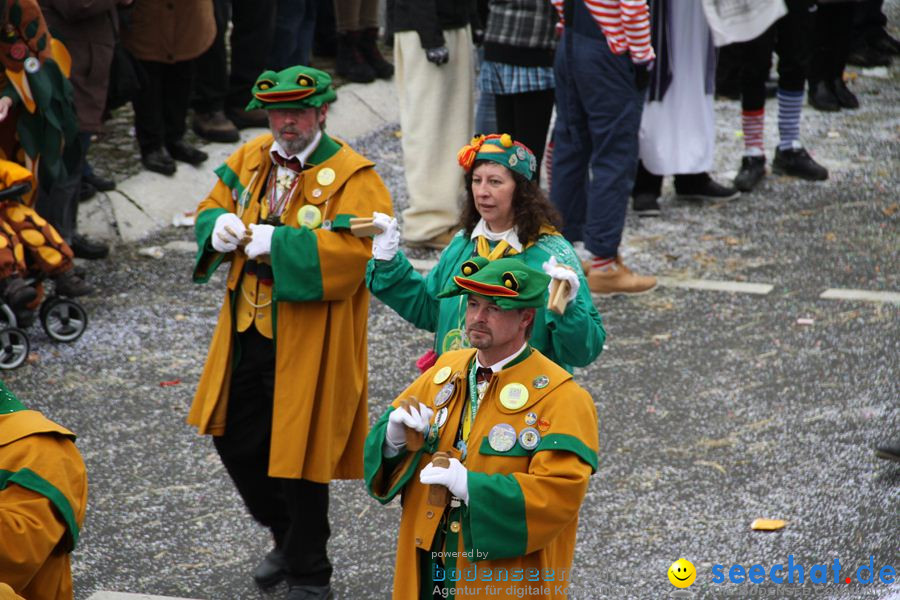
517	30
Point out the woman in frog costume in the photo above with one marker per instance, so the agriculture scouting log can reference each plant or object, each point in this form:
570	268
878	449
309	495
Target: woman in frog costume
505	215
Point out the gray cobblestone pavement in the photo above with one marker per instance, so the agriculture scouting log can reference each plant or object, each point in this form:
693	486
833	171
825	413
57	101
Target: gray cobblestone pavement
715	408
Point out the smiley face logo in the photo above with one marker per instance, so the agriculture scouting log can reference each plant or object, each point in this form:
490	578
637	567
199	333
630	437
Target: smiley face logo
682	573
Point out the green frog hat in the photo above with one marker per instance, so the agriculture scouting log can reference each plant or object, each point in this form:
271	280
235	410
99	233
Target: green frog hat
294	87
507	281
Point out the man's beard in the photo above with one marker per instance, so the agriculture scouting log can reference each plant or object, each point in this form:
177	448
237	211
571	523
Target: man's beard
296	145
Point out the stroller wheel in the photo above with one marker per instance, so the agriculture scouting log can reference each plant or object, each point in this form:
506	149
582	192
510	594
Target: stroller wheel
63	319
14	347
7	316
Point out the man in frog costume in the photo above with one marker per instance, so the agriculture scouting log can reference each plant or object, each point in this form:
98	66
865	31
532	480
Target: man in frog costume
283	390
522	438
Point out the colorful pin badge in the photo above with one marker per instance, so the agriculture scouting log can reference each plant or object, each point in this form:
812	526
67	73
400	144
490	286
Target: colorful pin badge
32	64
441	417
444	395
529	438
502	437
325	176
520	152
513	396
540	382
543	425
309	216
442	375
531	418
316	193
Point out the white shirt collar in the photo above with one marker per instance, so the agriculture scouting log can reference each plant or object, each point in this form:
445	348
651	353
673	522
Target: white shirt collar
303	154
497	366
510	235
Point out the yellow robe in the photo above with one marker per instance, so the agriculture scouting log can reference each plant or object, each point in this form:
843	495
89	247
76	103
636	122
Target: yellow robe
35	537
320	415
522	516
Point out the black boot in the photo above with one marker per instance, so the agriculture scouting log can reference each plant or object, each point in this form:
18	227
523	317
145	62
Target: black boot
821	97
71	285
350	63
753	169
798	163
369	49
845	97
271	570
17	293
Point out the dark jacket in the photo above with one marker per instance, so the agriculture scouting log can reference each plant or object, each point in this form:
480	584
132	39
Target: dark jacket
429	18
88	28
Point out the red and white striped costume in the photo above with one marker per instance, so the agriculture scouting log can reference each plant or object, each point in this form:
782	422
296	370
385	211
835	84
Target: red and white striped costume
625	23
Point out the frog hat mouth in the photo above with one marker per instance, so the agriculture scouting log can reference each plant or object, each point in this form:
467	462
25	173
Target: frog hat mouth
295	87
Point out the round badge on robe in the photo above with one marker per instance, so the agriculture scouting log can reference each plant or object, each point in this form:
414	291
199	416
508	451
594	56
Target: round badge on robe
529	438
513	396
543	425
316	193
443	396
502	437
531	418
441	417
442	375
309	216
325	176
32	64
540	382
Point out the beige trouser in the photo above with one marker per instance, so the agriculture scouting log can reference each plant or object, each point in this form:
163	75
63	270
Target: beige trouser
436	118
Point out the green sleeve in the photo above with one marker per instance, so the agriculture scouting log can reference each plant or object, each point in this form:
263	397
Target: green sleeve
382	482
208	260
295	265
30	480
577	336
495	533
414	297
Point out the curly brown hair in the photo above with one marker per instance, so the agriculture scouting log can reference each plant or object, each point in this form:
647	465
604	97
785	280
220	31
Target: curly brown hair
531	208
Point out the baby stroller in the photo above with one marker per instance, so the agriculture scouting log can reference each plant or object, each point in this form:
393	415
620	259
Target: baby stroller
63	319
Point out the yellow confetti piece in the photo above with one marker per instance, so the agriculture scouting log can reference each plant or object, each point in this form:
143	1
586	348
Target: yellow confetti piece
767	524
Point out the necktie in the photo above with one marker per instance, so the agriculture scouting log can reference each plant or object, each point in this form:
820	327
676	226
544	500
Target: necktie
292	163
483	374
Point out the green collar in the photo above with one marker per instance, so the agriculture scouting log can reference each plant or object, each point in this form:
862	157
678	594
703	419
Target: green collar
522	356
326	149
8	401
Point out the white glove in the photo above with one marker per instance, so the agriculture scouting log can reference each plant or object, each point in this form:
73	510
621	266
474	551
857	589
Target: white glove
227	233
562	273
399	420
261	242
386	243
455	478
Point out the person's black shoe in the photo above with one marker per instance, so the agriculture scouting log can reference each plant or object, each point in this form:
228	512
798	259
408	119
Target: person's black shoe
368	46
844	96
708	189
867	56
84	247
889	451
885	43
822	97
181	150
350	63
243	119
753	169
159	161
69	284
215	127
798	163
101	183
86	192
271	570
645	205
17	292
310	592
